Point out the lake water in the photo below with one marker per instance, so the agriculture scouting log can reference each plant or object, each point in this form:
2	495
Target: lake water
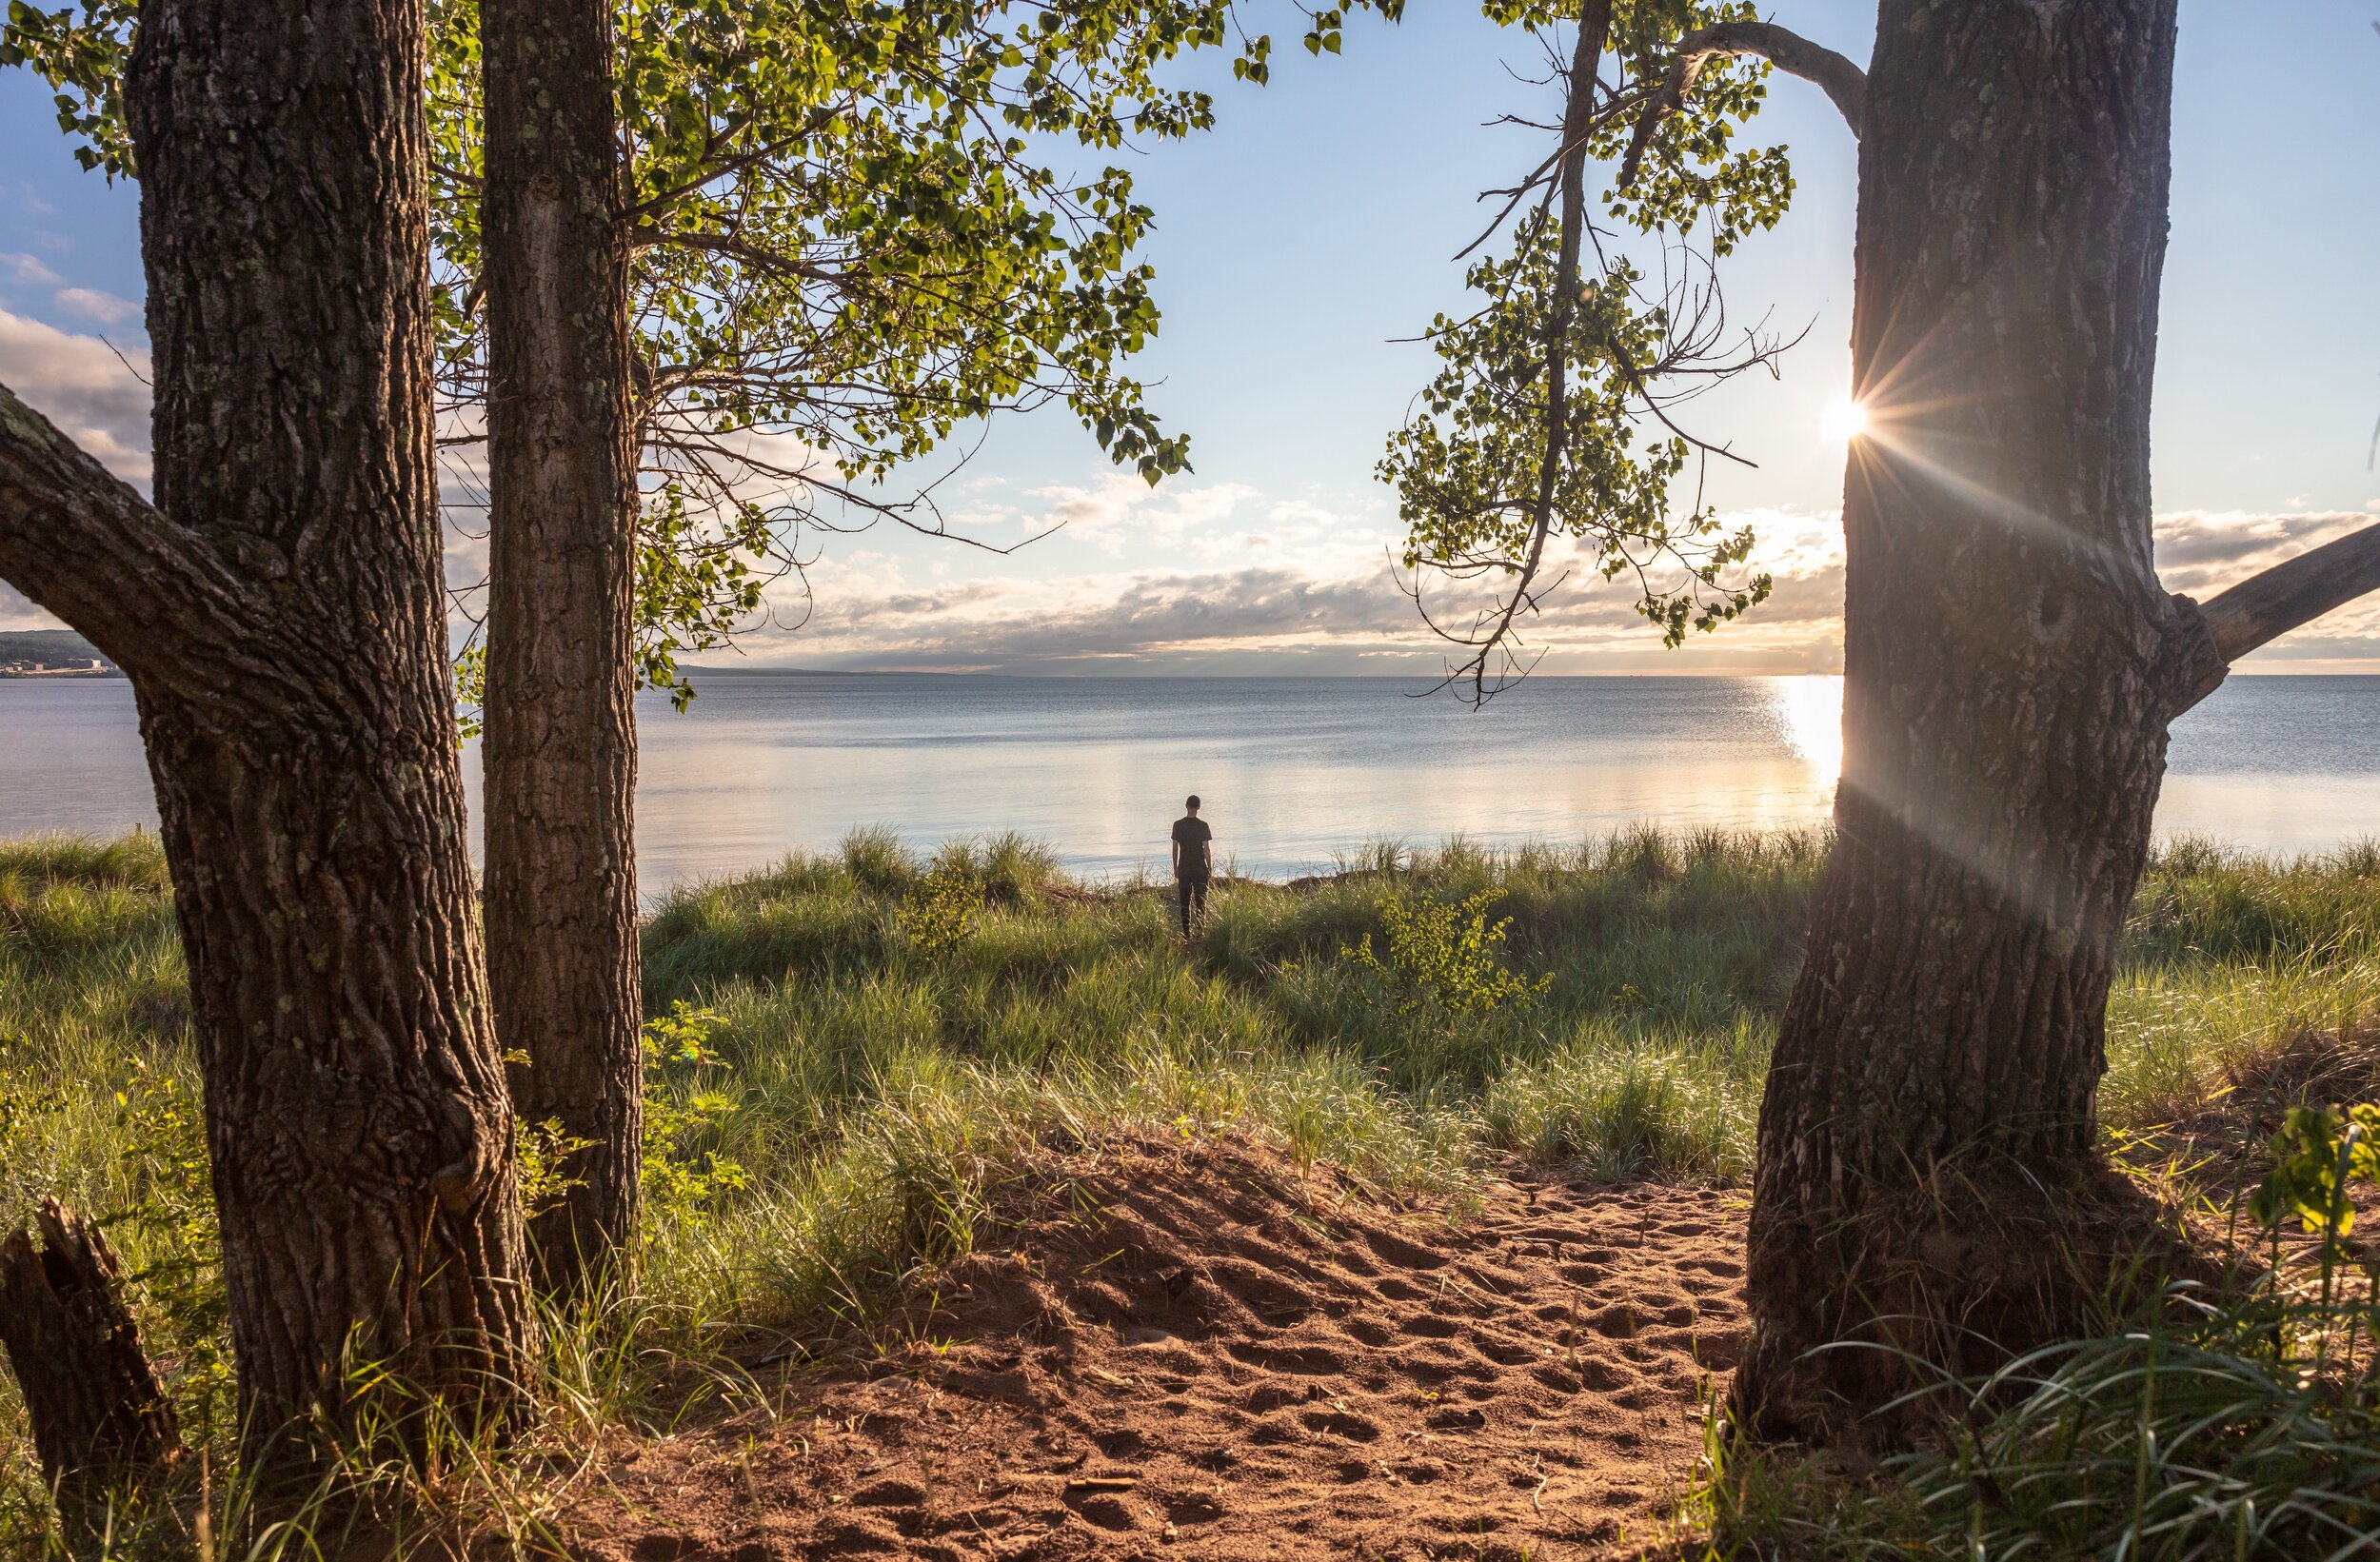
1294	771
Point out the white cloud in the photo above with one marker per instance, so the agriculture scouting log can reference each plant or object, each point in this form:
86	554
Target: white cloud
1216	570
79	383
18	612
104	308
98	398
1251	580
2201	552
26	269
1121	508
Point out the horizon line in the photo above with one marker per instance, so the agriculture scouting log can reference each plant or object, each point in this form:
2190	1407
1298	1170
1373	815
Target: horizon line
1153	674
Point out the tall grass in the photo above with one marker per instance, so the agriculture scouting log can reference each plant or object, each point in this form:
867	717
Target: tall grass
874	1092
2240	1427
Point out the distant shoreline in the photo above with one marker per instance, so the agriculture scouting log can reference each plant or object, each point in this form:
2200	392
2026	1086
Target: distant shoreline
1155	676
1198	676
52	653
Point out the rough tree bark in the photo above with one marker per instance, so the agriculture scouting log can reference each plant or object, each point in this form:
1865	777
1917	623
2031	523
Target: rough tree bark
1928	1173
280	613
96	1407
1928	1179
559	753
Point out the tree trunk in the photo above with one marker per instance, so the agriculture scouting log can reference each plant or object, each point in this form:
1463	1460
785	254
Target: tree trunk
97	1410
281	615
1928	1172
560	754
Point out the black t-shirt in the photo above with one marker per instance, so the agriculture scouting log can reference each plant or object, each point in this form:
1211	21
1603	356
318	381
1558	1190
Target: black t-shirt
1191	835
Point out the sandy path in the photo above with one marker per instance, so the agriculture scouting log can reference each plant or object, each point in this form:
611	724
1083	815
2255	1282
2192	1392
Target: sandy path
1197	1353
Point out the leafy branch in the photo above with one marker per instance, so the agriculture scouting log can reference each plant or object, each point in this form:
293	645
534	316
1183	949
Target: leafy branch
1554	416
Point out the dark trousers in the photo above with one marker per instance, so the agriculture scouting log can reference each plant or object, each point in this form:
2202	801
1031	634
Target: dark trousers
1190	892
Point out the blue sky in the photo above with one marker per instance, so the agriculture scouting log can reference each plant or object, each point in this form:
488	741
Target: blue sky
1316	225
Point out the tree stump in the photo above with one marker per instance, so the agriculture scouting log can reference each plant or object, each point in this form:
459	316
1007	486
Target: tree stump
98	1408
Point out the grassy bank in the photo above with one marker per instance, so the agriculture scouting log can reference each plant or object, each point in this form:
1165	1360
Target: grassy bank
851	1046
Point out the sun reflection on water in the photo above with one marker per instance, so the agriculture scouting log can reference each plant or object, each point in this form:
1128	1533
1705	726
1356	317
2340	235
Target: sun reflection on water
1811	711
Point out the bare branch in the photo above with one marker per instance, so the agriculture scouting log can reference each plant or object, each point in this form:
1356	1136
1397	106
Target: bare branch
1619	104
758	257
1788	51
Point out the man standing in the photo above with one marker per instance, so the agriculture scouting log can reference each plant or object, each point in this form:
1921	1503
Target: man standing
1194	863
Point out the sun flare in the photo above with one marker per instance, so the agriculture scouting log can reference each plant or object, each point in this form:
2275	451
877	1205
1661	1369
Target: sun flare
1843	421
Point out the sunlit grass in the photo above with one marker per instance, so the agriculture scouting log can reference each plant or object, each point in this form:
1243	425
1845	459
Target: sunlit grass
877	1095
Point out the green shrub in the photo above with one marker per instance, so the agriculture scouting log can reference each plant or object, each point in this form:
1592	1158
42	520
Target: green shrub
939	910
1446	959
877	861
686	1099
1009	867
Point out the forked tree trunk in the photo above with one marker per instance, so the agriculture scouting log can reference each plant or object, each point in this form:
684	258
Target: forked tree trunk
1928	1173
560	754
281	615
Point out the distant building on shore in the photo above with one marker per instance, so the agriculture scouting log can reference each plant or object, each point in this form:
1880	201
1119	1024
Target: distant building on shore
52	653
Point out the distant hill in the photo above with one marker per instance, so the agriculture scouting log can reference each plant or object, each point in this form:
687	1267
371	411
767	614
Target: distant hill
48	650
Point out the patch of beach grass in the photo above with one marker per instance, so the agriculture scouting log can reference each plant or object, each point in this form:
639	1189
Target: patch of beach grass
861	1093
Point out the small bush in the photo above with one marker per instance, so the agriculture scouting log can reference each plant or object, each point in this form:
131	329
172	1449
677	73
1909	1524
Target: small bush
684	1178
1010	868
939	910
1447	959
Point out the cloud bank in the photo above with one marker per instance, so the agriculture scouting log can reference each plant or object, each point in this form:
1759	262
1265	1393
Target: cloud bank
1296	588
1251	582
1262	586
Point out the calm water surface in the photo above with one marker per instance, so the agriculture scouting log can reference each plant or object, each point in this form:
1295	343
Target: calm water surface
1294	771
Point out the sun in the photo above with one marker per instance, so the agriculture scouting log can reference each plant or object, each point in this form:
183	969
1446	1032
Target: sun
1843	421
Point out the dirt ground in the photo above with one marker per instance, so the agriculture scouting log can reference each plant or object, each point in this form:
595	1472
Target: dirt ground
1197	1352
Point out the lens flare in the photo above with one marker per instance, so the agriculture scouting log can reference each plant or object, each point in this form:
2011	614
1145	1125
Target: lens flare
1843	421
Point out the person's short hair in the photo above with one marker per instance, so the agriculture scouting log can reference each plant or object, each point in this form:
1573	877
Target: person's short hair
1193	802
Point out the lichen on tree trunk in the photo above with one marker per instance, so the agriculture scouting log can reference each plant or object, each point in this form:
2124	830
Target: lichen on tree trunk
1928	1176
